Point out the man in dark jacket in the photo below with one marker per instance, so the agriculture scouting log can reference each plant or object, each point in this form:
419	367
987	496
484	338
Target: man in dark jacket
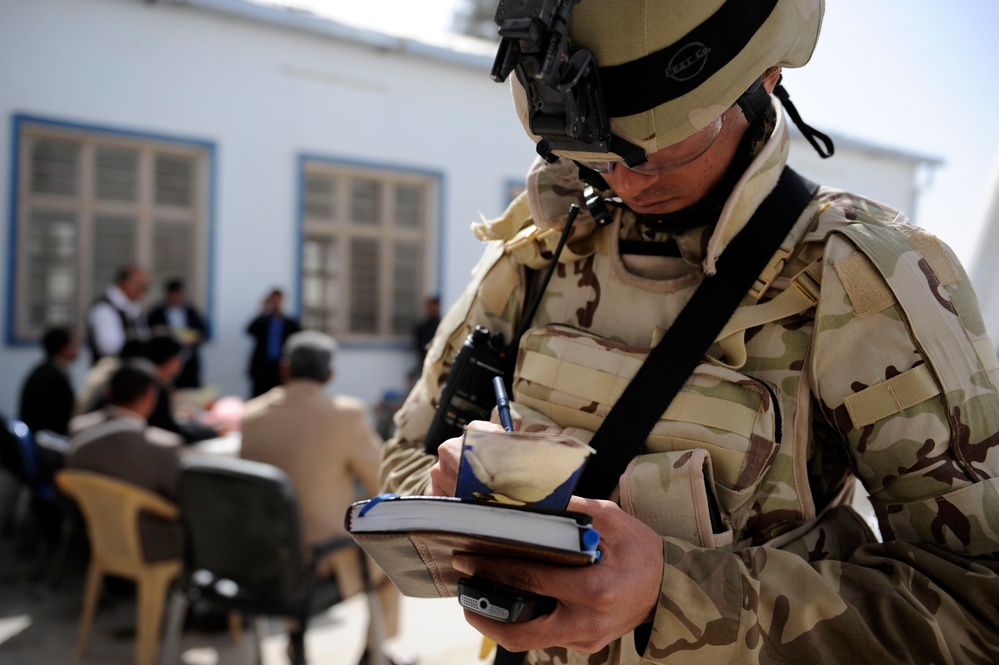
269	331
178	317
47	395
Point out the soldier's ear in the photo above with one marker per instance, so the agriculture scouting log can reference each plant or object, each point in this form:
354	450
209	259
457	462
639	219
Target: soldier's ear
771	78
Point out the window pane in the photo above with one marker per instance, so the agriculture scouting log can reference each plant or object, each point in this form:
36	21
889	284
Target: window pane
117	174
173	252
55	166
406	288
364	281
366	202
174	181
409	205
321	197
51	268
320	284
114	248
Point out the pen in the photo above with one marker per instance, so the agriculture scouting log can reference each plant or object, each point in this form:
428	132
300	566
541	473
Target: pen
502	404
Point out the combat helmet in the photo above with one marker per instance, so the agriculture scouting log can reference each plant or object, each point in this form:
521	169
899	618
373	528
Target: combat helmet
624	78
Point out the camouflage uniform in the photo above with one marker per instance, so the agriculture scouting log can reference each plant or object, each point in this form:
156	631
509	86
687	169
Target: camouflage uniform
860	354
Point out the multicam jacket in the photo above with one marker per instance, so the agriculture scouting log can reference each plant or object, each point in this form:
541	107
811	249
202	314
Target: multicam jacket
859	354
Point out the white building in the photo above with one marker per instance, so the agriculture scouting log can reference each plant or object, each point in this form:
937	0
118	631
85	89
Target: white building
244	147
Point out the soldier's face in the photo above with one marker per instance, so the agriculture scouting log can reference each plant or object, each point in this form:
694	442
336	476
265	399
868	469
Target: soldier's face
649	192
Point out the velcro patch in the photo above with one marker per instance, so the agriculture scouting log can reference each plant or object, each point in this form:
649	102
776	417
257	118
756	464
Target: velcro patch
931	249
865	286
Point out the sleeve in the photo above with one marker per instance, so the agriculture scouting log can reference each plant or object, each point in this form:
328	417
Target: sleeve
198	322
492	299
256	326
364	451
105	326
899	373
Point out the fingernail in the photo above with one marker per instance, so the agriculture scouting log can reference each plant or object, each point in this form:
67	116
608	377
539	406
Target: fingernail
461	564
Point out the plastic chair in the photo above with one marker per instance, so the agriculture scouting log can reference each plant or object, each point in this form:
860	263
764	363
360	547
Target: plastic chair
111	509
243	550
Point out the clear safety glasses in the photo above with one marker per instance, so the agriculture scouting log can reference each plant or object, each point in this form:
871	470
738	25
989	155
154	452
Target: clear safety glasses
672	157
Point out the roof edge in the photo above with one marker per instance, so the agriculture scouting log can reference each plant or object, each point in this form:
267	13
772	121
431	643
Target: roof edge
327	27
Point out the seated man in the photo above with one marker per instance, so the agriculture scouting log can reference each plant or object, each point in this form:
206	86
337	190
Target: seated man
47	395
118	442
167	354
324	443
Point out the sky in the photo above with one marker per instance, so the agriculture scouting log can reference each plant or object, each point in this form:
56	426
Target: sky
920	76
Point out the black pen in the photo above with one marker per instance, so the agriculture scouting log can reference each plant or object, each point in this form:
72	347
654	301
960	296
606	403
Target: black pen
502	404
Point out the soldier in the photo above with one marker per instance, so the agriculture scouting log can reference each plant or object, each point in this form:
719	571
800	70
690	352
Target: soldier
858	355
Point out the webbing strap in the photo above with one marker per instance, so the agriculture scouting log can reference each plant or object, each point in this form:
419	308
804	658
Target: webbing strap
800	296
619	439
904	390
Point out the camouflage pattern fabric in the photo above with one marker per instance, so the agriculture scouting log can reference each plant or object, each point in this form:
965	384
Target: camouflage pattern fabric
886	377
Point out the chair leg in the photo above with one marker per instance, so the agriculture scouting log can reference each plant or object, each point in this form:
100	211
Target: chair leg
170	650
152	595
91	593
296	645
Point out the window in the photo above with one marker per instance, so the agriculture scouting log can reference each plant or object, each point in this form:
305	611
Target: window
90	202
366	252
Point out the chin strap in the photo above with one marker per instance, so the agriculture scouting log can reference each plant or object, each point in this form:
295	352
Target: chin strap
813	135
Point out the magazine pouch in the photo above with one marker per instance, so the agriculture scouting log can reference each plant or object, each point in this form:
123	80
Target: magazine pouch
723	428
673	492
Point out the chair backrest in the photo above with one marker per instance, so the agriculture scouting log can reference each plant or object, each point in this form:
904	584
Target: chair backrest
241	524
111	510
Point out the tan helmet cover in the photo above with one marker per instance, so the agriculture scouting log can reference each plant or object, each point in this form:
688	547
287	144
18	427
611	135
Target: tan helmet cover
619	31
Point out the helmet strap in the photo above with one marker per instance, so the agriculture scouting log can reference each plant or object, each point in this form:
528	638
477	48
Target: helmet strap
811	134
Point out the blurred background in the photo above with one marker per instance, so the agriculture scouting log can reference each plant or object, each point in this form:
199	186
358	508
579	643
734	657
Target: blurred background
339	150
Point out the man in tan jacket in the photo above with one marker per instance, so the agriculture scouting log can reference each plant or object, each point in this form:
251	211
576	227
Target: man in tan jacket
325	444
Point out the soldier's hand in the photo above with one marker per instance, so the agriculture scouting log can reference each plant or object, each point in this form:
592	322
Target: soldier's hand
596	604
444	474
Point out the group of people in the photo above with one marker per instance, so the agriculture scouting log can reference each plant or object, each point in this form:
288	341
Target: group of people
121	422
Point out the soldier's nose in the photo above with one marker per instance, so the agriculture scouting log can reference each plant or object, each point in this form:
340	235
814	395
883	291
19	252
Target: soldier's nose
627	183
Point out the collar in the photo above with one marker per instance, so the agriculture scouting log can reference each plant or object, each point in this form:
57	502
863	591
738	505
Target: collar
750	190
121	301
118	413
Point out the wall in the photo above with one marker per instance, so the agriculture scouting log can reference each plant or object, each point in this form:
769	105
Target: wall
263	95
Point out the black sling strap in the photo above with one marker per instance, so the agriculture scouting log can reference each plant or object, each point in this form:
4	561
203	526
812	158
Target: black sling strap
619	439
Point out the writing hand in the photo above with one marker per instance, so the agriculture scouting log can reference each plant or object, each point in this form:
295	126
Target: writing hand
444	474
596	604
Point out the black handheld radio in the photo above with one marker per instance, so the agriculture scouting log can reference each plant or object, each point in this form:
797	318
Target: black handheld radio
468	392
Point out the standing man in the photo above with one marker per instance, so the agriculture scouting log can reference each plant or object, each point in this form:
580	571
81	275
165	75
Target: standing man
179	318
859	354
269	330
47	396
325	445
116	316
